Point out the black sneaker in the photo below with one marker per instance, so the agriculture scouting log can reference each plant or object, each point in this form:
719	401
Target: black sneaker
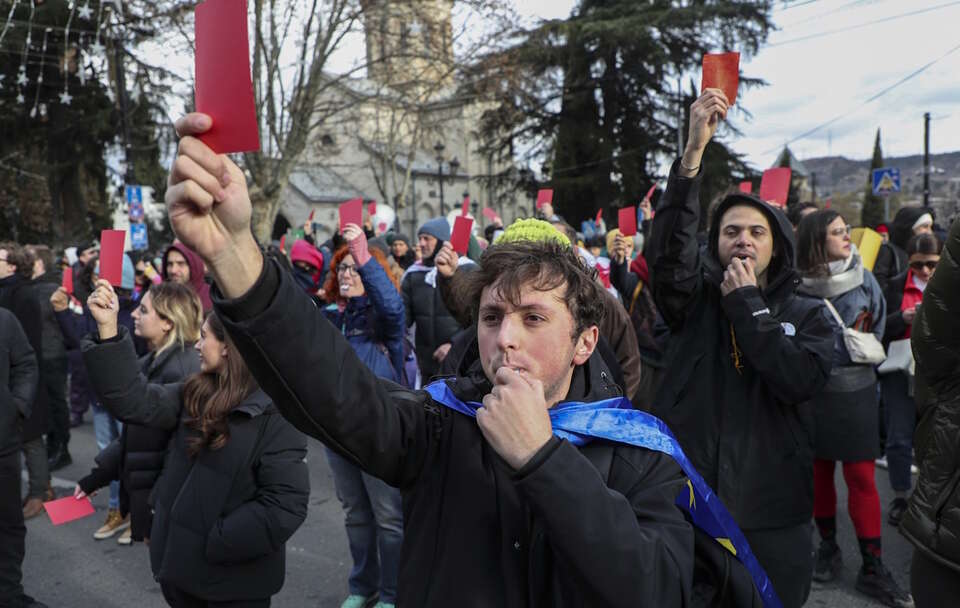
59	459
897	508
876	581
829	562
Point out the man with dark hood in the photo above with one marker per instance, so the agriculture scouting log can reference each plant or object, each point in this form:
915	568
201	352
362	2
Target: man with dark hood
182	265
892	259
746	352
424	302
400	249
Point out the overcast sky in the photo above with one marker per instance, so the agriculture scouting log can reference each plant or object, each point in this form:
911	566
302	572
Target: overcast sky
813	81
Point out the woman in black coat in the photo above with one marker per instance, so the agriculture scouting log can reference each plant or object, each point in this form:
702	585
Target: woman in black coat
234	485
168	319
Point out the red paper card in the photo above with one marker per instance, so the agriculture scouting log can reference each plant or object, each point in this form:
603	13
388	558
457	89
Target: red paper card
312	211
372	208
544	197
67	283
627	221
460	238
351	212
775	186
223	86
65	510
283	242
746	187
722	71
650	192
111	255
599	217
466	206
490	214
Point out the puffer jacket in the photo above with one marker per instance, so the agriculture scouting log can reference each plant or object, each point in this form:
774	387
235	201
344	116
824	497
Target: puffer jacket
435	324
136	457
19	376
892	257
932	520
373	323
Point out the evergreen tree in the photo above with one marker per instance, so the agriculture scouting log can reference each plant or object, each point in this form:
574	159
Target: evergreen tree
872	212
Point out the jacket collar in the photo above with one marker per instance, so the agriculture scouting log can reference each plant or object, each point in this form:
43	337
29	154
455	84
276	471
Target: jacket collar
256	404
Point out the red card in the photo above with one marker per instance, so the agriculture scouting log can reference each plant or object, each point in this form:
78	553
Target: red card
544	197
721	71
599	217
490	214
627	221
111	255
372	208
466	206
351	212
312	211
67	283
283	241
65	510
746	187
223	86
460	237
650	192
775	186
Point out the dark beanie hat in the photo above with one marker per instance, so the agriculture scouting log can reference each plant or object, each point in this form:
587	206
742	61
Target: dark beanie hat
438	228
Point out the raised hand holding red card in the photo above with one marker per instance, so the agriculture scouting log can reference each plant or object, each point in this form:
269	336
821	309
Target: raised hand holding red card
544	197
111	255
775	186
627	221
460	237
67	283
351	212
223	86
722	71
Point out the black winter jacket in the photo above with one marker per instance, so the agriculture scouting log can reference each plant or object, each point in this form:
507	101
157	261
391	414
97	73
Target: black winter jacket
19	376
54	347
892	257
932	520
18	296
136	457
221	518
748	430
591	526
435	325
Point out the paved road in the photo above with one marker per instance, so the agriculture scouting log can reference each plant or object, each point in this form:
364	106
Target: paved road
65	567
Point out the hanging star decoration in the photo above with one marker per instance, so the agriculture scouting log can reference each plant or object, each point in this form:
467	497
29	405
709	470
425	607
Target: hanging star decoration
21	99
66	98
22	79
85	12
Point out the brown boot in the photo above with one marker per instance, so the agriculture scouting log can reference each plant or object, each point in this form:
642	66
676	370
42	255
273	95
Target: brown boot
49	494
32	508
115	524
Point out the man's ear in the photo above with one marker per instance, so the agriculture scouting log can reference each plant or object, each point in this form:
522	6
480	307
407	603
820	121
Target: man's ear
586	343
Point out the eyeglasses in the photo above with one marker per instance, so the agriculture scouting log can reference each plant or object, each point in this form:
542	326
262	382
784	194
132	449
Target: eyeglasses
930	265
840	231
347	268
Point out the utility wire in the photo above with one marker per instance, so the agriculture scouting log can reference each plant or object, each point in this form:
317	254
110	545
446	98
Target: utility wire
862	25
870	99
842	7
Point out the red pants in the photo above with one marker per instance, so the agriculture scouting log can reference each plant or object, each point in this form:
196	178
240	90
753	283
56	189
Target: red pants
863	501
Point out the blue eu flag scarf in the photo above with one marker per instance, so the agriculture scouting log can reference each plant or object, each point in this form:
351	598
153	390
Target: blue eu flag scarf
616	420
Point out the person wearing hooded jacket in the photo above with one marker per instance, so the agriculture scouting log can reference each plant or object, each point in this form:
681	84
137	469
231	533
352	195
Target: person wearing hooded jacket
183	265
892	257
846	411
307	266
234	486
932	520
746	353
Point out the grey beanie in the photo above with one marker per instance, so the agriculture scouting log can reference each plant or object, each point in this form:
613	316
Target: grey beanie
438	228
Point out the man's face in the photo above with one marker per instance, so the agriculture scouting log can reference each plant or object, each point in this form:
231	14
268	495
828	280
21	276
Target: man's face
399	249
923	229
85	255
178	270
536	336
427	245
745	233
6	268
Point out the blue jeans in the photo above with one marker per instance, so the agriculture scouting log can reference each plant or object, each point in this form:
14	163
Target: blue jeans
374	521
107	429
900	418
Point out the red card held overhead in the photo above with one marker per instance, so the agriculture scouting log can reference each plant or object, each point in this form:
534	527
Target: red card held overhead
775	186
312	212
372	208
65	510
544	197
111	255
283	243
67	283
746	187
599	217
460	238
351	212
223	86
627	221
722	71
490	214
650	192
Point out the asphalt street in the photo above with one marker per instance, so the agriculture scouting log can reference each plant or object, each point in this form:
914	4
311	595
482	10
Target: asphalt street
65	567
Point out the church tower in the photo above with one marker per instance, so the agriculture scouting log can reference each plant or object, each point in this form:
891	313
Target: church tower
410	43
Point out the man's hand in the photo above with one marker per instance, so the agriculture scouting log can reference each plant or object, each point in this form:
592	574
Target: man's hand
441	353
647	208
352	232
514	418
705	116
739	273
446	260
60	300
909	315
104	307
209	209
619	252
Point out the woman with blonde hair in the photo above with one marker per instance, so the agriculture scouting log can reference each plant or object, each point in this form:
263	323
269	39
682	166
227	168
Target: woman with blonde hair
168	319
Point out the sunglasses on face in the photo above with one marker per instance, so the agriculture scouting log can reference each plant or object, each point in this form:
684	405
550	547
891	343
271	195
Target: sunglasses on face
921	265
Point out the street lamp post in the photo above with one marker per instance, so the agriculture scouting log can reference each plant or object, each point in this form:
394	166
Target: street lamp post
439	150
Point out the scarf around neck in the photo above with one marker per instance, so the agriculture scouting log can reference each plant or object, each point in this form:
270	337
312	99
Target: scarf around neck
849	277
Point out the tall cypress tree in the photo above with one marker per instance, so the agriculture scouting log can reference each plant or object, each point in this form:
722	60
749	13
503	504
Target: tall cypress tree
872	212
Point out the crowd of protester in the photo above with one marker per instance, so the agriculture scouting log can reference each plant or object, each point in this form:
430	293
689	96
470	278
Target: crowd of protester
764	343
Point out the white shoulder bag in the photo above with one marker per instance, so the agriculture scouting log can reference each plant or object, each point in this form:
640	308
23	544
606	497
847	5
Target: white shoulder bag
862	346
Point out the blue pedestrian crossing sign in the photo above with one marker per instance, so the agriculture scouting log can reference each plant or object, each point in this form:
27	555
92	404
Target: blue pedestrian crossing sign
134	194
886	181
138	236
